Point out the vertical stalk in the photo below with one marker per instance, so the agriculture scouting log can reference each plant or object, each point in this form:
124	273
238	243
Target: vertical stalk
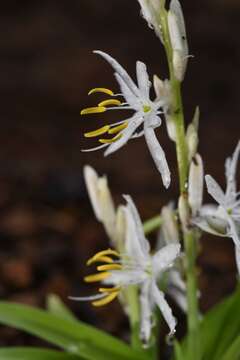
190	244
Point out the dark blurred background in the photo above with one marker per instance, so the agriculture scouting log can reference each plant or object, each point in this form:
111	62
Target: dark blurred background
47	227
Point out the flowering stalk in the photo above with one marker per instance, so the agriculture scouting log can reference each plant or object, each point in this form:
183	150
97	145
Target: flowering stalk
190	243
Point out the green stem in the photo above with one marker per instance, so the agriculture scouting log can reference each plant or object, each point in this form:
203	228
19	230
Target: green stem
152	224
190	243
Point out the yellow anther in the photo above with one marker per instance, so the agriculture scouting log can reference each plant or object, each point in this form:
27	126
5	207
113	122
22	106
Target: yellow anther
110	102
97	132
102	254
93	110
110	141
106	300
109	290
104	259
109	267
101	90
96	277
118	128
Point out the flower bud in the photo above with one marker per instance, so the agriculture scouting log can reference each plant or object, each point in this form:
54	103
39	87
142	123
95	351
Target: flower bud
150	11
196	183
184	212
169	226
192	135
177	32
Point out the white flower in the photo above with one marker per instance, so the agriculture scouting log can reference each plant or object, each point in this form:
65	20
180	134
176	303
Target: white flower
136	266
224	219
195	184
169	234
103	206
144	120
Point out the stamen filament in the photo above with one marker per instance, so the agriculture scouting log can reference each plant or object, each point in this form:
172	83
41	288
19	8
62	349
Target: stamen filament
101	90
97	132
93	110
109	298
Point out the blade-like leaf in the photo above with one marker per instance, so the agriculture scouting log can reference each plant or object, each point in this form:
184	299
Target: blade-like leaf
19	353
70	335
233	352
57	307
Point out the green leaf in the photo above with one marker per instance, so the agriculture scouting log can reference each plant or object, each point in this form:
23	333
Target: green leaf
70	335
219	328
233	352
178	351
57	307
20	353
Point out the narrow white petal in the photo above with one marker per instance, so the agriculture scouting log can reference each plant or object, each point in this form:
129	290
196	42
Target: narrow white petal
165	257
143	79
91	180
125	277
133	124
237	253
233	228
108	212
196	182
164	307
215	190
168	233
231	169
146	312
138	225
120	70
95	148
129	96
158	155
179	298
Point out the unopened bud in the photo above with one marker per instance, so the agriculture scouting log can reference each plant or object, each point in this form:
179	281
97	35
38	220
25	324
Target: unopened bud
150	11
196	183
184	212
192	135
177	32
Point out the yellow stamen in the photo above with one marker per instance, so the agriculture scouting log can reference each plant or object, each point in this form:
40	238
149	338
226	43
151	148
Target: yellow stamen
93	110
110	141
106	300
110	102
104	259
118	128
109	267
96	277
101	254
101	90
109	290
97	132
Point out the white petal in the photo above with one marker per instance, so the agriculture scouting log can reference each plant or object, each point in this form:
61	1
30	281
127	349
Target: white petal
237	253
179	298
138	225
196	181
146	312
149	11
215	190
120	229
133	124
143	79
158	155
125	277
164	258
231	169
120	70
168	233
233	231
108	212
129	96
176	9
211	225
91	180
164	307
